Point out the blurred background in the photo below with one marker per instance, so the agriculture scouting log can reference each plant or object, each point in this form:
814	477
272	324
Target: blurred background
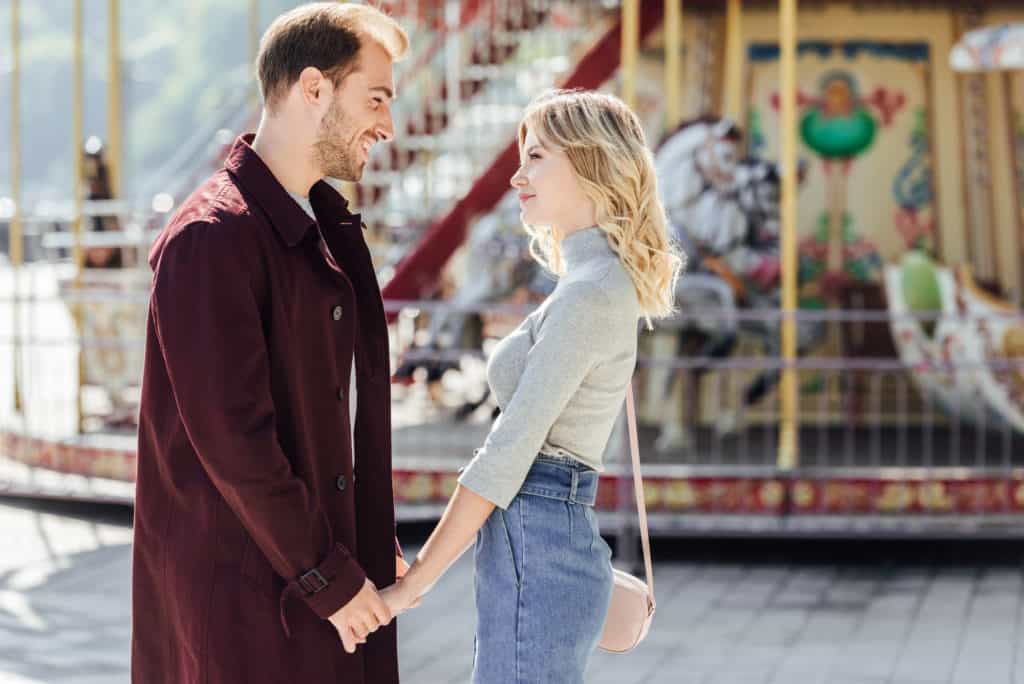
845	376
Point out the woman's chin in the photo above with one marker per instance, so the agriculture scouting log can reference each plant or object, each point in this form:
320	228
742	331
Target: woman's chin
530	217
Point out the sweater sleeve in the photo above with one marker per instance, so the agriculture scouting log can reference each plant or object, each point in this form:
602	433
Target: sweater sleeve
570	339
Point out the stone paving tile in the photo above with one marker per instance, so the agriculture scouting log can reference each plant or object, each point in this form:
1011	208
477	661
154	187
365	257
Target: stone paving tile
989	640
732	677
931	647
669	676
618	669
864	659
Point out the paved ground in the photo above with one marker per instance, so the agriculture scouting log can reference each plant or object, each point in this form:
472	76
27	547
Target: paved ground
730	612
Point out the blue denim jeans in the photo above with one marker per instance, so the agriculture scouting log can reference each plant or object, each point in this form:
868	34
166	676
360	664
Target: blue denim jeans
543	580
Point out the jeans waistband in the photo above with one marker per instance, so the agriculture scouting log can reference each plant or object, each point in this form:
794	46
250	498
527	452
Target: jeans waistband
562	478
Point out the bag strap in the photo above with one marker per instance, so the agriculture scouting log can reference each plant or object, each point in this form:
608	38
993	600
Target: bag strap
638	486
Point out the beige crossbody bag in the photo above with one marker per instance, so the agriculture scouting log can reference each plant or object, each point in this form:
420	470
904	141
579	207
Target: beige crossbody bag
632	606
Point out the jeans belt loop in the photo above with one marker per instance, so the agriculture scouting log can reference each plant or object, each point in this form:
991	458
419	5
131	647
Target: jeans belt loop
575	484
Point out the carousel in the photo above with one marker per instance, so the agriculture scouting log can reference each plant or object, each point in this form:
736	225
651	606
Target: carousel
842	361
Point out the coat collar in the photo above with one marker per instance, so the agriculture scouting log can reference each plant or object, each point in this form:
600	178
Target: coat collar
288	218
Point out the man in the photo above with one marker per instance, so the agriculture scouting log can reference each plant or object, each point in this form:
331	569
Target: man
264	525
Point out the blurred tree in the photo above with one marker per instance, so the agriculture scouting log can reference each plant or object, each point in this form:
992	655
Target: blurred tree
181	62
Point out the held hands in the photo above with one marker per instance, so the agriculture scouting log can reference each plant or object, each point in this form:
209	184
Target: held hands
369	610
364	614
399	596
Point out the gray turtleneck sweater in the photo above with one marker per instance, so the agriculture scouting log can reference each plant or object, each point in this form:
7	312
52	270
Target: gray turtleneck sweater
560	378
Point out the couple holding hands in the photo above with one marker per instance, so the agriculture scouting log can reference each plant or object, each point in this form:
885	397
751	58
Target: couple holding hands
265	521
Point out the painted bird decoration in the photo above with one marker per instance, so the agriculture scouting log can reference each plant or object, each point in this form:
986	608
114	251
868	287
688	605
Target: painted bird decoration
839	124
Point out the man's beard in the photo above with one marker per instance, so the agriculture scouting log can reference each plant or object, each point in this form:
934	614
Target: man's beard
335	150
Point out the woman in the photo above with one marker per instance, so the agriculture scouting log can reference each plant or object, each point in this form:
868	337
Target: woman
590	203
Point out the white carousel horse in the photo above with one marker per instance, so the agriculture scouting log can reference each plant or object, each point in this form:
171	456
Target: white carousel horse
724	212
497	263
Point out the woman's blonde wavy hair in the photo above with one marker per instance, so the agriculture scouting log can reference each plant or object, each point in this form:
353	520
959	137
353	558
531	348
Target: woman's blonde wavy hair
608	152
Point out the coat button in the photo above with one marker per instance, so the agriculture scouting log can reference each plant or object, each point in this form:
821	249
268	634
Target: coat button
341	394
336	313
340	483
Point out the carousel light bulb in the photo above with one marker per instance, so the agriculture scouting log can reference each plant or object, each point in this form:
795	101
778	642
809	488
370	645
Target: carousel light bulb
162	203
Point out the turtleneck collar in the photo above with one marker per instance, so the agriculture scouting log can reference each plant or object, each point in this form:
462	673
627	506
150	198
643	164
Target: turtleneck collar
585	245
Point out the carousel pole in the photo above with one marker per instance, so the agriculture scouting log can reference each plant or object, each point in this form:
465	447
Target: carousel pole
673	116
114	131
16	236
76	217
627	534
788	444
254	36
734	61
673	65
630	50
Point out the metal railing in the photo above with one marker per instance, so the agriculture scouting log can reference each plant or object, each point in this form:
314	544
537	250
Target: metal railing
879	438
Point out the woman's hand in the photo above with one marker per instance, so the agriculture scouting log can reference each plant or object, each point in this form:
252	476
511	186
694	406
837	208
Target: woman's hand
399	598
465	515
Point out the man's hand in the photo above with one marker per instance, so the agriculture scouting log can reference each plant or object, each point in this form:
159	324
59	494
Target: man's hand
364	614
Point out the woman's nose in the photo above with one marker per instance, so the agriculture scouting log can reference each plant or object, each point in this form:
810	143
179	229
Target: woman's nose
517	179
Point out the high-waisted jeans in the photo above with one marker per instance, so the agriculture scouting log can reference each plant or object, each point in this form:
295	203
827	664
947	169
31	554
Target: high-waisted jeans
543	580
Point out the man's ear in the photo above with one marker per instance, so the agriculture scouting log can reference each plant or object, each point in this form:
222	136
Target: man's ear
311	85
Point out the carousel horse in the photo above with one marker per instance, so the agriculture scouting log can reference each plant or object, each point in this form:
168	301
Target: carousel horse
757	259
497	264
723	212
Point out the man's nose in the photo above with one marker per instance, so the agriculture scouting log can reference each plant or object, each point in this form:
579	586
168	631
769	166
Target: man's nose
386	129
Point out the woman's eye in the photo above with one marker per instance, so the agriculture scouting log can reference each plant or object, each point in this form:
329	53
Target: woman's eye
534	155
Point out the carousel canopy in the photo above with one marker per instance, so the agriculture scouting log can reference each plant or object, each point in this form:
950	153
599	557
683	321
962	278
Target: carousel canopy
985	49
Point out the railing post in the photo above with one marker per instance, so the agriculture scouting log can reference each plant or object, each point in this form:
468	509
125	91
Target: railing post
78	160
114	155
627	523
16	235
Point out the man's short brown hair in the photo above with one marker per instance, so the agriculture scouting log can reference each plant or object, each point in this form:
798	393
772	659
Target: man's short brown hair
325	35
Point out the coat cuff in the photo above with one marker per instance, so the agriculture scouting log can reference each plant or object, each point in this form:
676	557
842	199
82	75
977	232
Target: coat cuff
329	587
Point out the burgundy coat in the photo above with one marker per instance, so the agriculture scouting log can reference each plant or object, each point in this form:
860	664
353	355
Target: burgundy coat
245	479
